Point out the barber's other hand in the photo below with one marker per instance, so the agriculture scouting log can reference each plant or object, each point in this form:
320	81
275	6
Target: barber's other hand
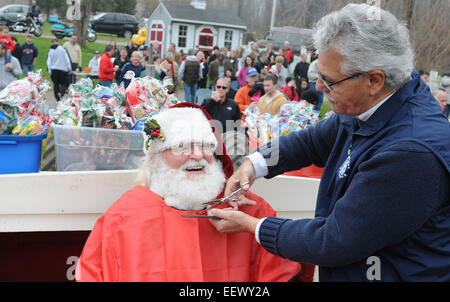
246	173
233	221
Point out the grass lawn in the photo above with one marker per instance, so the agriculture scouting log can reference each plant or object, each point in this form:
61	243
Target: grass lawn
326	107
43	45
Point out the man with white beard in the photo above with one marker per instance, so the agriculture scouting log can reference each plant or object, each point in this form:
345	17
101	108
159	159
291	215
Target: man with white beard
144	237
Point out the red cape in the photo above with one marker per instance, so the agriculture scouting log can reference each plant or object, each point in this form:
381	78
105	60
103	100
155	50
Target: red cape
140	238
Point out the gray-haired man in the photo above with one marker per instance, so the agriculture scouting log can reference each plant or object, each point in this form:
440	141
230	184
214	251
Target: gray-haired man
382	211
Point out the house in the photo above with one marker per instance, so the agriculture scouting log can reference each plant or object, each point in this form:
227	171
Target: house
194	26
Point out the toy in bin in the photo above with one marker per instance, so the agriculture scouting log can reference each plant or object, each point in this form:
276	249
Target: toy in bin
262	128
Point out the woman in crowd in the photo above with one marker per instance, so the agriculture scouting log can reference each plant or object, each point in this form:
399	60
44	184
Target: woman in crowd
280	71
290	90
242	78
302	86
133	66
119	63
171	67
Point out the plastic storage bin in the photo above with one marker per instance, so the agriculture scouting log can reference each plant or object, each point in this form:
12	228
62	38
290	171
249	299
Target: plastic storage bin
21	153
89	149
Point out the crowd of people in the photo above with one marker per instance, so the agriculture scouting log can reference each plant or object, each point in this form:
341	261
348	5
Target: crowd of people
245	70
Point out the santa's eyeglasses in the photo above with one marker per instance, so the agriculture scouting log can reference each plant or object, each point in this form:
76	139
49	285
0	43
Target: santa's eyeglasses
188	149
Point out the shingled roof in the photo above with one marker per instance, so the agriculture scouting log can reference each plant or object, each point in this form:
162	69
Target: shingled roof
213	16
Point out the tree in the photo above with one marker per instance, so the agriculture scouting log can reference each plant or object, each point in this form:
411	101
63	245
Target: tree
80	27
409	11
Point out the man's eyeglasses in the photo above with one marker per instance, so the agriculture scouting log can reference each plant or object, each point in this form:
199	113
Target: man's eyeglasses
330	85
222	87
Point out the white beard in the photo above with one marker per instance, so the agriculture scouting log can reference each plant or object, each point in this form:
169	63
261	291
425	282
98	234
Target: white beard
184	193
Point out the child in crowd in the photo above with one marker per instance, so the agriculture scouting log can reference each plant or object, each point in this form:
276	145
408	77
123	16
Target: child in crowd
8	42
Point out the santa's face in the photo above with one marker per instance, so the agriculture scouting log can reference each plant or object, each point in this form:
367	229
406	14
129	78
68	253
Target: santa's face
188	158
186	180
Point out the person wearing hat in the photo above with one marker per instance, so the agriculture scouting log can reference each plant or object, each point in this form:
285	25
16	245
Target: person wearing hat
94	63
145	54
311	96
144	237
242	97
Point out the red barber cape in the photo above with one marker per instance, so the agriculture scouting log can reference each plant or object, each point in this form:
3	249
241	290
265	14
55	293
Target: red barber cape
140	238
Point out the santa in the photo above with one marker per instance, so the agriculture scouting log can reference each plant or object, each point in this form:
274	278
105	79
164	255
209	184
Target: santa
145	236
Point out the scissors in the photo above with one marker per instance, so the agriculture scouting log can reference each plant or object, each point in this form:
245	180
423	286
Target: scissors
217	202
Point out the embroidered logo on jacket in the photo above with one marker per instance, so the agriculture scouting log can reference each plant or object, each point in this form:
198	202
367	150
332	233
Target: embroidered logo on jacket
342	173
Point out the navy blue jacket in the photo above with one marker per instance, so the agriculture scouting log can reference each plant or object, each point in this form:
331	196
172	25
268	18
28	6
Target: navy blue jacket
384	193
29	52
129	66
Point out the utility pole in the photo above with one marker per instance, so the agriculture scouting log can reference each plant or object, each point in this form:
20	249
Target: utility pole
274	13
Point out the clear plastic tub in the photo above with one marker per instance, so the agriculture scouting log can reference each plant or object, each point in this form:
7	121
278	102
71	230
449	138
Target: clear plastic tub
88	149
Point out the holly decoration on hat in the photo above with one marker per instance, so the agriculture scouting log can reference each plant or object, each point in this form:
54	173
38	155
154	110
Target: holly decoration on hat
153	130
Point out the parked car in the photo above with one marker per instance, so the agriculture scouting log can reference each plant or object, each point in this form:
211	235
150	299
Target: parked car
115	23
298	38
12	13
61	30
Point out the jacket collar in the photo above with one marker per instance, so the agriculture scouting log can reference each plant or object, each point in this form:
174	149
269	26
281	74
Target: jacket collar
386	112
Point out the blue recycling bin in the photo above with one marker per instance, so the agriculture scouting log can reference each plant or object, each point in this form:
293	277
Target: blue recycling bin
21	153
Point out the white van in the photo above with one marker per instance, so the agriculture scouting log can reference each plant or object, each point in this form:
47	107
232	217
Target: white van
298	38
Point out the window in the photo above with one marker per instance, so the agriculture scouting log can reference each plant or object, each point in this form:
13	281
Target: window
182	36
121	19
229	39
109	18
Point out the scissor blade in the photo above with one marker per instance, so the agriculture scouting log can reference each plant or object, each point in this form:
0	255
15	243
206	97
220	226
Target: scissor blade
213	201
202	216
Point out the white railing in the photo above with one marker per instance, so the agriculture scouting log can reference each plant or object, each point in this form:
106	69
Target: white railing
73	201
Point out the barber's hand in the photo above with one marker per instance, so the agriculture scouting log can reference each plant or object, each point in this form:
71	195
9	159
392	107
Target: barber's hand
233	221
246	173
242	201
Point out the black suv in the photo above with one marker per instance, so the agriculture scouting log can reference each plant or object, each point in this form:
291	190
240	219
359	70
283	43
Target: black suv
115	23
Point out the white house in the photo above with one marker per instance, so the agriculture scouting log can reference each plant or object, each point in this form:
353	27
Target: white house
194	26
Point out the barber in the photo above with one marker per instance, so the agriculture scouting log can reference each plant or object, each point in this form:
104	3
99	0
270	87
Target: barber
383	211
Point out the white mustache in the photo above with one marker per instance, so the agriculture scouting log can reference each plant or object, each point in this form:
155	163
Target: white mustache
194	163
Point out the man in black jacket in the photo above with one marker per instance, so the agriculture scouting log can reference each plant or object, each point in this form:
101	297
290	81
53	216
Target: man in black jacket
224	111
261	61
301	69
